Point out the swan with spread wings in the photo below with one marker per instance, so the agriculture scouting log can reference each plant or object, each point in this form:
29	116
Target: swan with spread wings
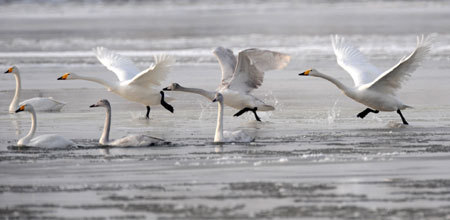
374	88
132	84
240	76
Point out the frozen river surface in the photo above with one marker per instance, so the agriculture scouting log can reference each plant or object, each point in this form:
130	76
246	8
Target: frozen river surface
312	158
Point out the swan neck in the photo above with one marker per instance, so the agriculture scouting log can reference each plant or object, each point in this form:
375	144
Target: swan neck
97	80
104	139
15	101
208	95
25	140
219	129
338	84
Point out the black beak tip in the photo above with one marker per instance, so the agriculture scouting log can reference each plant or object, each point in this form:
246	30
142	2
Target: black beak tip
60	78
92	106
18	110
166	89
301	74
214	100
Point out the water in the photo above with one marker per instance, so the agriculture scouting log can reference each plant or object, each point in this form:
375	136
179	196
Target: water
312	157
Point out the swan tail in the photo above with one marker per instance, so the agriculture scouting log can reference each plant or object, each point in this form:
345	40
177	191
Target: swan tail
265	108
406	106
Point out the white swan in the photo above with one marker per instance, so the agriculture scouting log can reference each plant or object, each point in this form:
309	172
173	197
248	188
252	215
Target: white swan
128	141
374	88
43	141
132	84
240	77
226	136
39	103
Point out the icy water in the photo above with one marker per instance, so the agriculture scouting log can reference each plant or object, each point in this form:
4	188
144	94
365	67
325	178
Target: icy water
312	158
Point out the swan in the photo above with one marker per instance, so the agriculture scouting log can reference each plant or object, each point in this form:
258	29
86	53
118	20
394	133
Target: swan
373	88
39	103
130	140
239	77
226	136
134	85
42	141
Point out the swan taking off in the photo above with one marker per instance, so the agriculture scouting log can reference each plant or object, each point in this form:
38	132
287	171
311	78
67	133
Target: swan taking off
374	88
240	76
39	103
133	84
128	141
226	136
43	141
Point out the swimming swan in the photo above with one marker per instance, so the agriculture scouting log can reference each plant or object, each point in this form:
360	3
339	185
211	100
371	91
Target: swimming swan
226	136
130	140
240	76
372	87
132	84
39	103
43	141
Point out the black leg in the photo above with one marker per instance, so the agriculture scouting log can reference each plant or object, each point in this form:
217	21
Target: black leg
165	104
403	119
254	112
148	112
365	112
239	113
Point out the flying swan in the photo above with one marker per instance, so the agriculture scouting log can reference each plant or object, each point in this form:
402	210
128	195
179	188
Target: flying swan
43	141
40	104
132	84
374	88
226	136
240	76
128	141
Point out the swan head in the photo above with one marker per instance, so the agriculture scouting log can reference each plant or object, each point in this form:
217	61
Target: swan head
218	97
172	87
68	76
26	107
310	72
101	103
12	69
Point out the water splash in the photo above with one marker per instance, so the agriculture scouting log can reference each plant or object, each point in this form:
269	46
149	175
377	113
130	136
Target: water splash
334	112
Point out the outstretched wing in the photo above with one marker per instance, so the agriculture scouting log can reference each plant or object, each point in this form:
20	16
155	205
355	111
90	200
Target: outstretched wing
154	74
252	63
353	61
122	66
227	62
392	79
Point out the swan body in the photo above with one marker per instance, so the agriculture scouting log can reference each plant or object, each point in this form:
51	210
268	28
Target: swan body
240	76
132	84
39	103
42	141
227	136
128	141
374	88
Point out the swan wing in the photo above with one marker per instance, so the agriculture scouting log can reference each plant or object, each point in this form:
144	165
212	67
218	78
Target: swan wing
353	61
155	73
137	141
44	104
252	63
122	66
50	141
227	62
392	79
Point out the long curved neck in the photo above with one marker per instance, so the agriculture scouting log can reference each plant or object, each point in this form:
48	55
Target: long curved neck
341	86
15	101
97	80
207	94
104	139
219	129
25	140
